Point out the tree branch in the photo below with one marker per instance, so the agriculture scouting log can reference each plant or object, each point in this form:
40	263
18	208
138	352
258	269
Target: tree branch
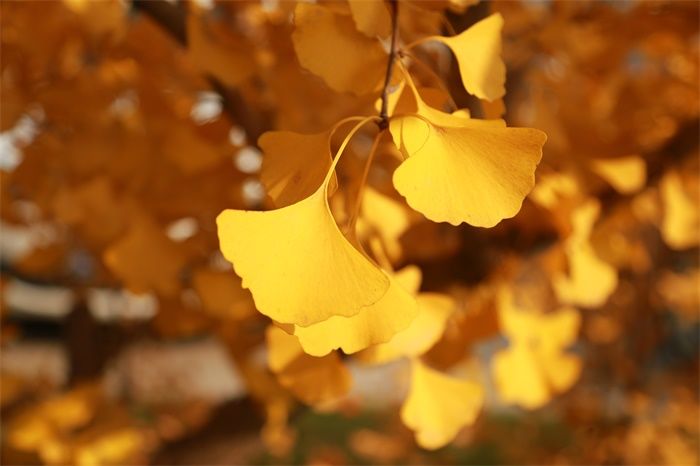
384	113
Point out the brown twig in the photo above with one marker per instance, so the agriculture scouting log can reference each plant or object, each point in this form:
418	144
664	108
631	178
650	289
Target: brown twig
384	113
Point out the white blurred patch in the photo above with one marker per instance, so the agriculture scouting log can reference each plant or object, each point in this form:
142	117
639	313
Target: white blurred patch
155	372
45	301
12	140
182	229
36	361
380	386
107	305
269	6
125	104
16	241
248	160
10	155
237	136
204	4
217	261
253	191
207	108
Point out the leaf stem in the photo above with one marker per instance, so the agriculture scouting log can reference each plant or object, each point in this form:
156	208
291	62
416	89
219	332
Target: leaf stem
345	142
384	113
363	181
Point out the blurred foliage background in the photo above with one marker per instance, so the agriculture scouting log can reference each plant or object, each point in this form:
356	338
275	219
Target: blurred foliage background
127	126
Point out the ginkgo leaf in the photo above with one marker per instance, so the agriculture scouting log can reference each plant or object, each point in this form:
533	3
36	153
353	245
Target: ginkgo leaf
426	329
590	280
294	164
296	262
374	324
328	45
519	379
626	174
528	379
438	405
478	51
680	226
387	217
312	380
145	259
536	365
225	57
371	17
476	171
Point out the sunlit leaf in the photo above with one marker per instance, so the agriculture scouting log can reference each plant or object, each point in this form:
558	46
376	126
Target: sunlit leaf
374	324
476	172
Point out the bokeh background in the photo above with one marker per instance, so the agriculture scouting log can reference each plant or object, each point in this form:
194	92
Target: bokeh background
127	126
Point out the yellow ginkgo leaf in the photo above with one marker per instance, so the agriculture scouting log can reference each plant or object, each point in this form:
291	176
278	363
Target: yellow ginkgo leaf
426	329
476	171
552	188
626	174
328	45
680	226
296	262
519	379
478	53
313	380
371	17
590	280
294	164
372	325
282	348
535	366
438	405
145	259
388	217
222	55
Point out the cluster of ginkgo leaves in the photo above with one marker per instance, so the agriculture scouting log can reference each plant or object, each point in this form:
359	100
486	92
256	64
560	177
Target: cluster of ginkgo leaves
322	287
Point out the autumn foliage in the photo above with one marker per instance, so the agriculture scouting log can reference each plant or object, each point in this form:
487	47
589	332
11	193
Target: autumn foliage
362	231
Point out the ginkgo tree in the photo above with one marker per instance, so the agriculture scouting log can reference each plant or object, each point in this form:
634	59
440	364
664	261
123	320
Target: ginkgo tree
327	194
315	278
